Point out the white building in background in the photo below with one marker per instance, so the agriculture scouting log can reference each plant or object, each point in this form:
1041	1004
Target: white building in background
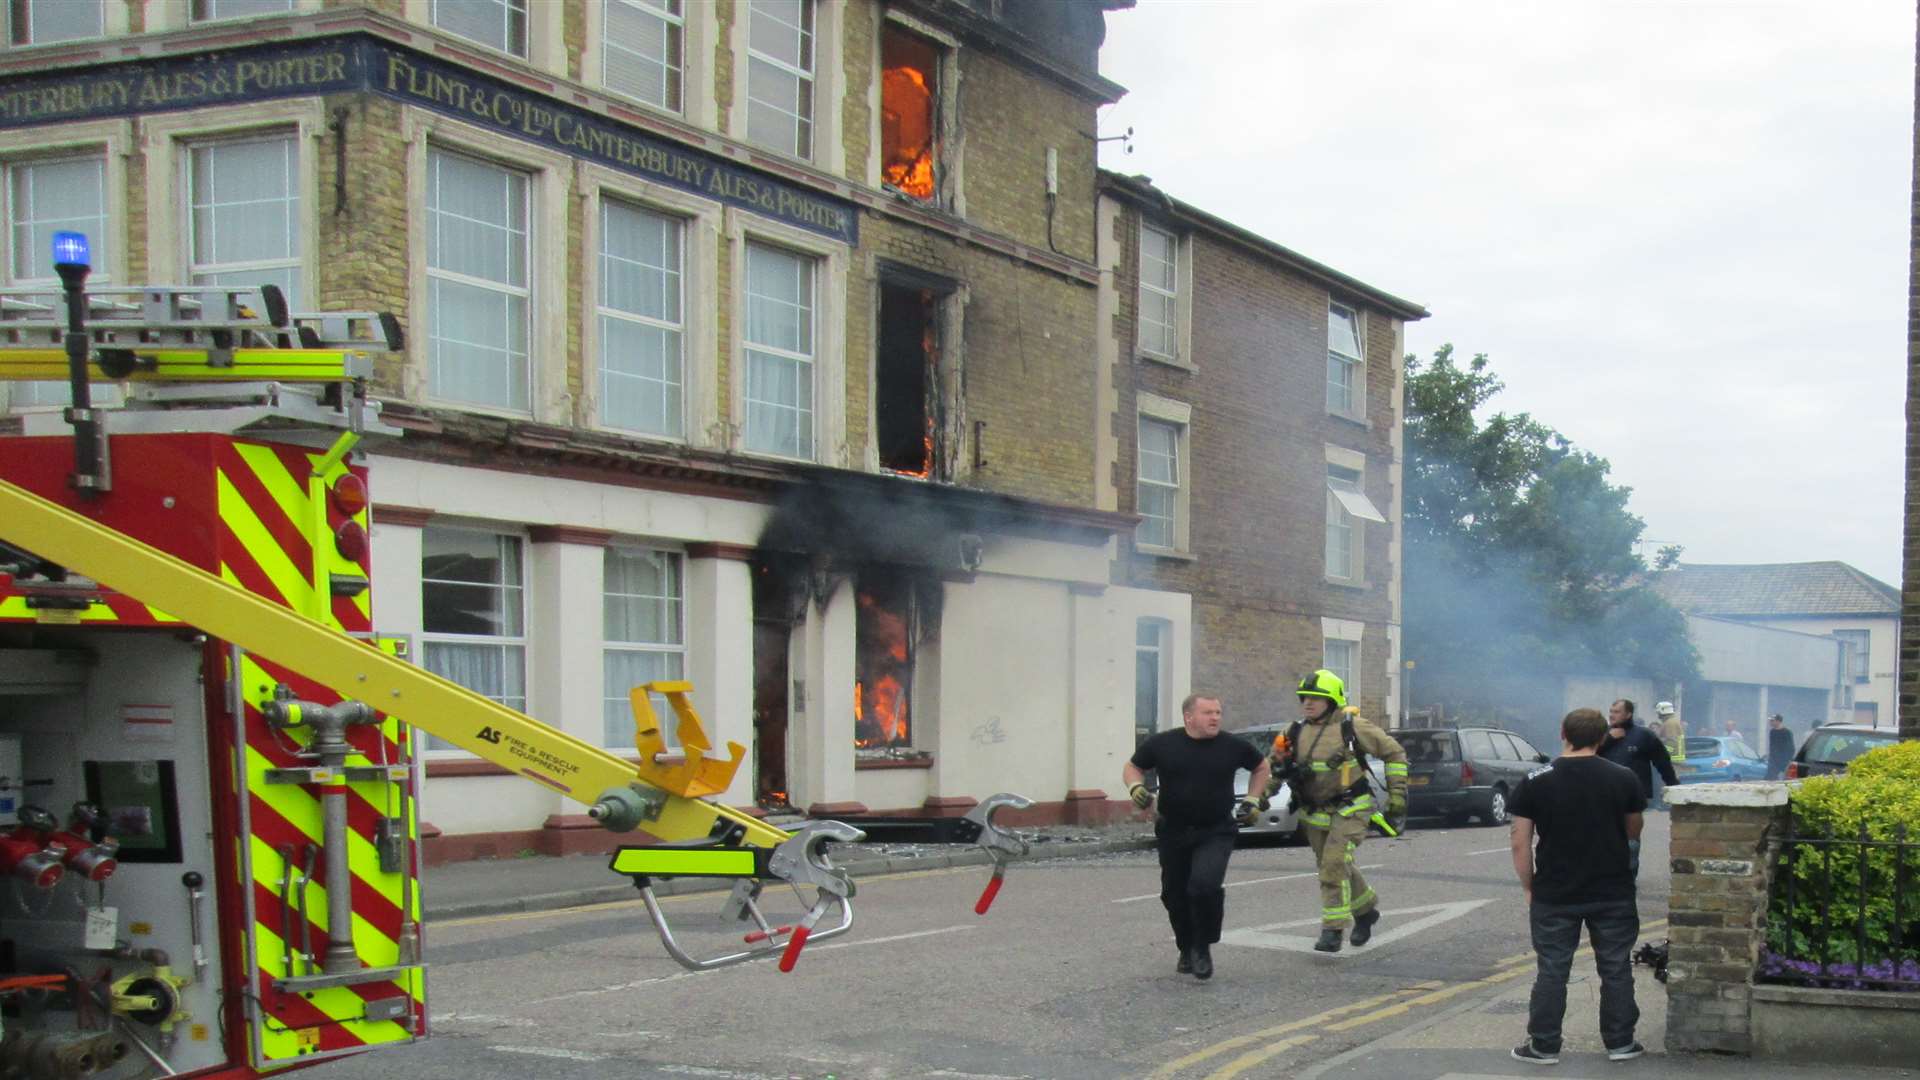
1826	600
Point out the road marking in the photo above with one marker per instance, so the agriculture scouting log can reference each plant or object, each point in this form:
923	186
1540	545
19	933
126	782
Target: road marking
1490	851
828	947
1383	1007
1263	937
550	1052
1237	884
1251	1037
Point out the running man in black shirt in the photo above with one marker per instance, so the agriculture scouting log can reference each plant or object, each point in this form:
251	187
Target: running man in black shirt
1585	810
1195	827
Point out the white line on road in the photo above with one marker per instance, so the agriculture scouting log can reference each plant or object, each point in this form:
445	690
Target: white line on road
1254	881
1491	851
549	1052
637	983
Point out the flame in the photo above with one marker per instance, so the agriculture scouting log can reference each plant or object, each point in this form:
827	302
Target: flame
906	131
880	706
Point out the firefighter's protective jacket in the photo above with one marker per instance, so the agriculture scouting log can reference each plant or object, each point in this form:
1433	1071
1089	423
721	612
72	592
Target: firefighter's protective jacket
1329	777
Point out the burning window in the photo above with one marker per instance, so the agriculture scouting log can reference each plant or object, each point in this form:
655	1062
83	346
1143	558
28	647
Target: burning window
883	638
906	382
909	93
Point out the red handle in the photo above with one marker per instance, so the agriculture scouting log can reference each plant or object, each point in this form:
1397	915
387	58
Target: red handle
766	935
794	945
986	895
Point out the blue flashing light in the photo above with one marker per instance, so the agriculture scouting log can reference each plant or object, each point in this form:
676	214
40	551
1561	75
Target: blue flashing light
71	249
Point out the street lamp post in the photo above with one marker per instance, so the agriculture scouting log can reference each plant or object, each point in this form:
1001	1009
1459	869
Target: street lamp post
72	260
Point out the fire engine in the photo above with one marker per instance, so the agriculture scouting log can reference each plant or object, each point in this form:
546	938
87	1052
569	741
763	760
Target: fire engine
208	772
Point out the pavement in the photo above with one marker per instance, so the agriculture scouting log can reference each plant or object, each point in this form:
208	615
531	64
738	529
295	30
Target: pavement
1474	1040
545	883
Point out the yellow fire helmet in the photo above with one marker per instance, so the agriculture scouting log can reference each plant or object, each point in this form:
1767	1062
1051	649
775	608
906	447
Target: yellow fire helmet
1325	684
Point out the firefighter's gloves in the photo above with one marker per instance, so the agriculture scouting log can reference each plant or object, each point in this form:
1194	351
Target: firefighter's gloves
1397	811
1248	809
1141	797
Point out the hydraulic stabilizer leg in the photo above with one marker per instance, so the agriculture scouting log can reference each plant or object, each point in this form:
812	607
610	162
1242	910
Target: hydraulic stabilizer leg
1000	845
800	860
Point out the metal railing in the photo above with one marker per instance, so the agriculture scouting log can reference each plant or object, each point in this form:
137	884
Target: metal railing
1840	916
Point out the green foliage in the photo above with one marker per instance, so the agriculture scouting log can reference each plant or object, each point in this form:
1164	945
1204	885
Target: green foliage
1877	799
1519	551
1898	761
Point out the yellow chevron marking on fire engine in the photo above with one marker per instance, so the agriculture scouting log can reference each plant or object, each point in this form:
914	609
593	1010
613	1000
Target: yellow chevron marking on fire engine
303	811
375	948
158	615
673	861
293	585
340	1004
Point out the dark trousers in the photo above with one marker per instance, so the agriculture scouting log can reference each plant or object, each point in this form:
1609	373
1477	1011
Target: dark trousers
1193	872
1612	926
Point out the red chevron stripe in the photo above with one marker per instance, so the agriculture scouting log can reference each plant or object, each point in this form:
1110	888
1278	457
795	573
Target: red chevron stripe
246	569
273	829
277	520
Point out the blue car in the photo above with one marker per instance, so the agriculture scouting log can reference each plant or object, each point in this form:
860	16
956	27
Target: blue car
1710	759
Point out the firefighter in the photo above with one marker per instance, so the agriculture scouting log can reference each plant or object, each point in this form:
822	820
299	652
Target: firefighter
1324	762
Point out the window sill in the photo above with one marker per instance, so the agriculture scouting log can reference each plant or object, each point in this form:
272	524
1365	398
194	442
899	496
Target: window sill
1361	585
1167	361
1360	422
1170	554
861	764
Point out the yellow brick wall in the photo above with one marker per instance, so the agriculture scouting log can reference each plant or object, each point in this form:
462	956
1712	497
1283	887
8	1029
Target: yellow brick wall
361	264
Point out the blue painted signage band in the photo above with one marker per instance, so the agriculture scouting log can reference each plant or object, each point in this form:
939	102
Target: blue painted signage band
364	64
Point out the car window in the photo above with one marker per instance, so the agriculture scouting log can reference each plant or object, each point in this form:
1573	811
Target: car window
1741	748
1427	746
1528	751
1503	746
1839	747
1479	745
1702	748
1261	738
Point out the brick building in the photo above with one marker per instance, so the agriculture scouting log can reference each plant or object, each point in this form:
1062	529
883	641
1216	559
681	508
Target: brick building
748	341
1251	405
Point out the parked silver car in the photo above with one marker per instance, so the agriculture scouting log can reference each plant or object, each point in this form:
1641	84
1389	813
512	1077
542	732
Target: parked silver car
1280	820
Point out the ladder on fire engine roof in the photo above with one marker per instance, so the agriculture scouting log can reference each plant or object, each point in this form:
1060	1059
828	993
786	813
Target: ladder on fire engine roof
206	333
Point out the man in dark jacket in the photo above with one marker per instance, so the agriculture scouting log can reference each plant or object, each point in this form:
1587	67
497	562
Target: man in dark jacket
1640	750
1779	747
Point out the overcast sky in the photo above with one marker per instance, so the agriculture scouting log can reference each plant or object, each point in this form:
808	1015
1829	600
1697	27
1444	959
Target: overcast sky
1678	230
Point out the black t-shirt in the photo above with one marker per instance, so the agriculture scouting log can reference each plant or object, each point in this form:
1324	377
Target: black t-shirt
1579	808
1196	775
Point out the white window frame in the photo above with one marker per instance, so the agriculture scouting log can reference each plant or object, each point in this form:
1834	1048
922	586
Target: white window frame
675	23
949	163
1179	414
1162	653
551	178
808	75
212	5
506	7
699	29
1351	635
524	293
1858	662
677	326
1355	366
113	23
1349	511
1181	295
168	138
111	140
546	27
522	642
303	298
829	85
609	646
829	329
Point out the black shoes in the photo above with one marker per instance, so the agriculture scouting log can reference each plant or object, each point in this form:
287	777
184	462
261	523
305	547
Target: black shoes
1330	939
1202	962
1185	966
1363	926
1533	1055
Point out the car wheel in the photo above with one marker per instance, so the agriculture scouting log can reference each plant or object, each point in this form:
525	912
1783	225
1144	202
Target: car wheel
1496	808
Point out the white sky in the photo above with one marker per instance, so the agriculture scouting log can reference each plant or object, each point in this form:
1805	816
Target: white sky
1678	229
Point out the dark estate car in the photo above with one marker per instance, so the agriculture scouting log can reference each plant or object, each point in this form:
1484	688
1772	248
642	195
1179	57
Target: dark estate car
1831	746
1466	772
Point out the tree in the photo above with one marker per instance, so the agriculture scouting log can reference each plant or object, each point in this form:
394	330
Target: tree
1520	563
